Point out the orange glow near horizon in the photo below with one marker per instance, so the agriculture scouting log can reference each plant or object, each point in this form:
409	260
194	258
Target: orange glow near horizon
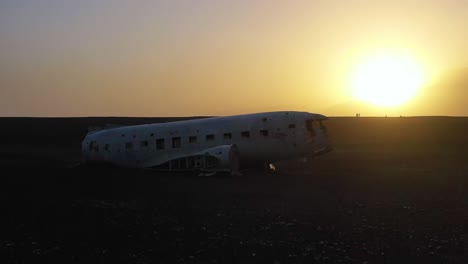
191	58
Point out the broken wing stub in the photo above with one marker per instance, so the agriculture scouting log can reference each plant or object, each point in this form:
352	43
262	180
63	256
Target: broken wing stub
224	158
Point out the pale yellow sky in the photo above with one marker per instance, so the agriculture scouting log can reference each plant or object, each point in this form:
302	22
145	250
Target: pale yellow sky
181	58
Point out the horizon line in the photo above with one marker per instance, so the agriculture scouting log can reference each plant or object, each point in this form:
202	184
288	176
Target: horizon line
205	116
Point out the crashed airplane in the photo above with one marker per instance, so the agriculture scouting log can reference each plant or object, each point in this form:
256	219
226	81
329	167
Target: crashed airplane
210	145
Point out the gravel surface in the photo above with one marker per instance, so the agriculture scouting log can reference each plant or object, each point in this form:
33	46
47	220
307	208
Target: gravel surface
396	193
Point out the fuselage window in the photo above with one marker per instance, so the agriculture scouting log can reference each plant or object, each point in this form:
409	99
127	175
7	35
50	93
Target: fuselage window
160	143
227	135
192	139
144	143
292	126
176	142
210	137
245	134
264	132
128	145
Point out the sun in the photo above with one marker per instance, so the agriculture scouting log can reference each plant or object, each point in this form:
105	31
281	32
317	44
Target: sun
387	80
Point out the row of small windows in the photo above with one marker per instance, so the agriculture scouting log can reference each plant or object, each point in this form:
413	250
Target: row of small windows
177	141
193	139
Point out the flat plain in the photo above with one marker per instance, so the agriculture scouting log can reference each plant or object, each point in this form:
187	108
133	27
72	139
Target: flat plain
393	190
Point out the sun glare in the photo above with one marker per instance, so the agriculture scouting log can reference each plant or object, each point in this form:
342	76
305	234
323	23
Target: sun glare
387	80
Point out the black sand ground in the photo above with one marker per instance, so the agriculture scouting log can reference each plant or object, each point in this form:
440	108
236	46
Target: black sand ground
394	190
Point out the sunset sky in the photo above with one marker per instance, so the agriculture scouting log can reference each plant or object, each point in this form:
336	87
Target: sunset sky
200	57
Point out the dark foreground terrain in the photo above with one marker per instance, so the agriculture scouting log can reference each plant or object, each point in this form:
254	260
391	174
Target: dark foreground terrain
394	190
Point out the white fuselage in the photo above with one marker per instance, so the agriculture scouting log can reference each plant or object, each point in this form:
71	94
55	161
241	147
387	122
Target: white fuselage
260	137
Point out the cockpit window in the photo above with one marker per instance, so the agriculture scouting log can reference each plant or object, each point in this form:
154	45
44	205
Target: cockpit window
322	126
315	125
310	127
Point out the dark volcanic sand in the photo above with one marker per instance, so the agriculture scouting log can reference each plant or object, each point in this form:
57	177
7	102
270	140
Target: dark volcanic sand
394	190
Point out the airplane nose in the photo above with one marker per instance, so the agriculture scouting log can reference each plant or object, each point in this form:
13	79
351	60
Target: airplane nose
320	117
